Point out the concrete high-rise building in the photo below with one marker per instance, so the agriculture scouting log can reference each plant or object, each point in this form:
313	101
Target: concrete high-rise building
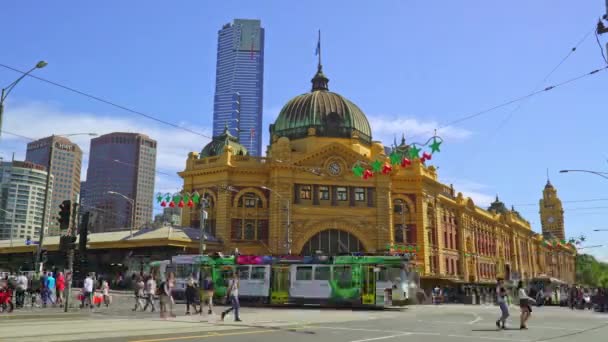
239	83
124	163
22	186
65	166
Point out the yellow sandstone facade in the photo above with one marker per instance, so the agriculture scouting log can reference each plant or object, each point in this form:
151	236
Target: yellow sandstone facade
303	198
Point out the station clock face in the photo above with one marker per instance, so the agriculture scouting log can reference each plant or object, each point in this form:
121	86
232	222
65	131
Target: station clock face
551	219
334	168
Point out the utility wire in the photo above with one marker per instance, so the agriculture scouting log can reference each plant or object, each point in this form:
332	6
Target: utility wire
597	39
108	102
572	201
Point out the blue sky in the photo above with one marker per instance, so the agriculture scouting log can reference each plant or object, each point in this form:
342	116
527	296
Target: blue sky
410	65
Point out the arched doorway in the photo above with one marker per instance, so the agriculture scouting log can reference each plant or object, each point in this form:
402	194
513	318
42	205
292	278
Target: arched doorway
332	242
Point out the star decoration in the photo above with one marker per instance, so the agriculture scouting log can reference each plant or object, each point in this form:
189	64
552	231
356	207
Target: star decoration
395	158
435	145
167	197
186	197
358	170
159	197
176	198
414	152
377	166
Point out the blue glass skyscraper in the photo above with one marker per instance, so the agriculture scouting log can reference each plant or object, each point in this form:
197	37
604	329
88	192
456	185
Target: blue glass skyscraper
239	83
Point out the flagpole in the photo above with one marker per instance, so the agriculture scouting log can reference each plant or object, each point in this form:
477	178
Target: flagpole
319	44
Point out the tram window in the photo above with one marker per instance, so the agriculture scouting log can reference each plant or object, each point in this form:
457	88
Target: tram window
322	273
243	272
258	273
303	273
343	275
383	274
226	274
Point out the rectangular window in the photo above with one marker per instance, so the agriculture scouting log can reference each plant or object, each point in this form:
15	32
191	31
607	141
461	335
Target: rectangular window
341	193
305	192
359	194
303	273
243	272
250	202
322	273
324	193
399	233
343	276
258	272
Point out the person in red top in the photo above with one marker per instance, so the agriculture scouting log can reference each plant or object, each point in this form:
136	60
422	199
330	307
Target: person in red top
60	288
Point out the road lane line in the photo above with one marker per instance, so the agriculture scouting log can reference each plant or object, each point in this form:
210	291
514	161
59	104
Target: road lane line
381	338
206	335
487	338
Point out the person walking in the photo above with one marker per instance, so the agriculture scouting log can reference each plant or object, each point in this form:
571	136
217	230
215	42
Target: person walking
166	299
60	288
233	294
150	293
524	305
139	294
207	291
20	290
51	286
105	292
87	291
501	299
191	296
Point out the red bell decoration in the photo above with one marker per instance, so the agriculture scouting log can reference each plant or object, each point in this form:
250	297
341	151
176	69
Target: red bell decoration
163	204
386	169
405	162
172	204
427	156
367	174
190	203
422	159
181	203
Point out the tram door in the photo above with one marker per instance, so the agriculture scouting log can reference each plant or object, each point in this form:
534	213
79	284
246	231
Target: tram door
368	285
279	285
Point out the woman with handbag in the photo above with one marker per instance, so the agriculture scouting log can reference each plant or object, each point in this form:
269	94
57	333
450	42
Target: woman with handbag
524	305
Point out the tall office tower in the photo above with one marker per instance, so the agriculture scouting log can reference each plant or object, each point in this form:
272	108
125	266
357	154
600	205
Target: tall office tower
239	83
125	164
65	166
22	186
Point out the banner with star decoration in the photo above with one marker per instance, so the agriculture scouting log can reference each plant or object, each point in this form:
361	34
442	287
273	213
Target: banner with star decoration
178	199
402	155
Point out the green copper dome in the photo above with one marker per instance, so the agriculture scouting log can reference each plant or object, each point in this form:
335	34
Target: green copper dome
330	114
217	144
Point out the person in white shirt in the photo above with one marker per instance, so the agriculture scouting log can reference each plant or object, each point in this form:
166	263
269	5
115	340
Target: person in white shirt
150	293
87	291
501	299
233	294
524	305
105	291
21	288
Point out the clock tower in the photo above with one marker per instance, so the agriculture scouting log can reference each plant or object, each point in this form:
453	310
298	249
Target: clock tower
552	213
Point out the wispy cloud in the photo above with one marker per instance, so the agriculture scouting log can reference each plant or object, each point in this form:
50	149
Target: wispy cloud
386	127
478	192
36	120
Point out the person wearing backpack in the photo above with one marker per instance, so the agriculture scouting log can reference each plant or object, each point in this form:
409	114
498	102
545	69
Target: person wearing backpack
233	294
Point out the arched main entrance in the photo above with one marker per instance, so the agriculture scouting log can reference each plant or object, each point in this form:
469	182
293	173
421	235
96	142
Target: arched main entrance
332	242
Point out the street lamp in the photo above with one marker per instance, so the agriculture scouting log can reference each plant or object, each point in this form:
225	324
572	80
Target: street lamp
48	184
9	88
601	174
288	217
132	201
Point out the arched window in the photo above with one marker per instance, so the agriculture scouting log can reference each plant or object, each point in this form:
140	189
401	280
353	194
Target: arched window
250	200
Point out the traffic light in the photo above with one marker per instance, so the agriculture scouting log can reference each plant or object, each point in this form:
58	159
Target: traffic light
64	214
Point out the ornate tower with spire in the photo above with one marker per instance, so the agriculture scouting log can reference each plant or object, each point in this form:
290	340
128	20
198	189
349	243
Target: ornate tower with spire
552	213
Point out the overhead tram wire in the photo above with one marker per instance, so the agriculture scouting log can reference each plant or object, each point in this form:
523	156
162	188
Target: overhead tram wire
572	201
503	123
108	102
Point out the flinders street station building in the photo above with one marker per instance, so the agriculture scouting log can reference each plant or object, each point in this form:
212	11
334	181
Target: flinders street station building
303	198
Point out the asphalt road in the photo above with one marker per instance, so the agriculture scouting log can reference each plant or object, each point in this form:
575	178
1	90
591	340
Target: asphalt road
453	323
